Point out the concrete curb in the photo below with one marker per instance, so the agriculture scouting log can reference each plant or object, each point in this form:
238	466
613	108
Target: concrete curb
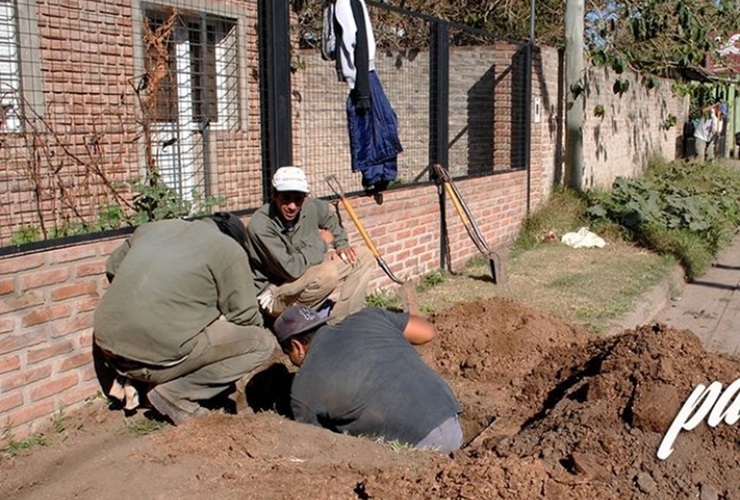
650	303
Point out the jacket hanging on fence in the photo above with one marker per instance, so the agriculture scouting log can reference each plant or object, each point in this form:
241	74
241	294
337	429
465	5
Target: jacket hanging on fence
372	123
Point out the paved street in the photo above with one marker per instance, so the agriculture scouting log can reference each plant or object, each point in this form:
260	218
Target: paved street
710	306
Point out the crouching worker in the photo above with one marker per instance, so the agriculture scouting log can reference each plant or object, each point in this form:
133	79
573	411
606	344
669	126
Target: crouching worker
181	313
364	377
300	253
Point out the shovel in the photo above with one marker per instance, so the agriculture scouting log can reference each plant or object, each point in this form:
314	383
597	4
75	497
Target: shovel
495	262
407	287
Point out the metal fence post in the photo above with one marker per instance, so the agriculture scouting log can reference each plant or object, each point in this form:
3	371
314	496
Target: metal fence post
439	117
277	128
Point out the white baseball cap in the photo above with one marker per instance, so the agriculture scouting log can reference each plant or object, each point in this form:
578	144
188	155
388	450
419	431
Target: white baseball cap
290	179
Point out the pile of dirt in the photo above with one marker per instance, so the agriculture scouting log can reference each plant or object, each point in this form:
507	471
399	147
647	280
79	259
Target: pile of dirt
549	411
601	413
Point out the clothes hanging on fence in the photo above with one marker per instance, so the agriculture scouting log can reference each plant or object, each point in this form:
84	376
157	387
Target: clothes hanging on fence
372	123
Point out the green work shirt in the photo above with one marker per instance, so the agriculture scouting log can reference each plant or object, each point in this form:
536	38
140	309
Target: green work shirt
171	279
281	254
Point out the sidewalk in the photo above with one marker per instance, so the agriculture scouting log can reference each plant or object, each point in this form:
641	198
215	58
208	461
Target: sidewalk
710	306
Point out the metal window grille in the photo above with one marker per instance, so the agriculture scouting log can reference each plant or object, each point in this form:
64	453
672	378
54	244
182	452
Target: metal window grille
197	91
10	81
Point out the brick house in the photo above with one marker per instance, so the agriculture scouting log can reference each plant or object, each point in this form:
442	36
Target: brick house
99	90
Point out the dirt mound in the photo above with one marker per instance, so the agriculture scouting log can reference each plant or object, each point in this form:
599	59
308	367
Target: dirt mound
549	413
496	339
601	412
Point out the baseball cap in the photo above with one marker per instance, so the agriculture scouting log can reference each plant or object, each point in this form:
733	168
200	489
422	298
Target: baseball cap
296	320
290	179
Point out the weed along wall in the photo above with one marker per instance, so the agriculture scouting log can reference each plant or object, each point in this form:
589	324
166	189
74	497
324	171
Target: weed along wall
47	299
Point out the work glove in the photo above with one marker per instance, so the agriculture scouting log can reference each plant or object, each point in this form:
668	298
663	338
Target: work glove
266	299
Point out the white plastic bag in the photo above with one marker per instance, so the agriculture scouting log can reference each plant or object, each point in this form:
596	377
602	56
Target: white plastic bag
583	238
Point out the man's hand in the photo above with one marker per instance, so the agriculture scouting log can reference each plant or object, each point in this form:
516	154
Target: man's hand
347	254
326	236
266	299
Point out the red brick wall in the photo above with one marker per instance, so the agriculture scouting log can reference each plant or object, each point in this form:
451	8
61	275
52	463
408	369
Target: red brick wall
47	299
91	129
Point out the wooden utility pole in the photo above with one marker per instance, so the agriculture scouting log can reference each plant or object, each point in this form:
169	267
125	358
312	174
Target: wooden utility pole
574	102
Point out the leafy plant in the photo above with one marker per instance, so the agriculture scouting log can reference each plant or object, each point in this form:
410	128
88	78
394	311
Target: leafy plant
430	280
383	300
13	446
686	210
25	234
620	86
599	111
669	122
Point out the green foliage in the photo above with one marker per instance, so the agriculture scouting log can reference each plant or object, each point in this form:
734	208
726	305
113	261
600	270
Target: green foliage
577	90
599	111
25	234
686	210
383	300
13	446
57	421
669	122
144	426
156	201
563	212
430	280
620	86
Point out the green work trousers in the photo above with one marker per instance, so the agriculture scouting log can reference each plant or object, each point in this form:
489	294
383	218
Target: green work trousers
345	283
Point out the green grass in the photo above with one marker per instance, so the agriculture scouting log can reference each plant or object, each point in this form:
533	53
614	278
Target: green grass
565	211
14	446
432	279
383	300
396	445
57	421
143	426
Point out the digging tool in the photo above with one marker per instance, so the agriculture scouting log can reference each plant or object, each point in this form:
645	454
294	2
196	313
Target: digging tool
407	287
495	262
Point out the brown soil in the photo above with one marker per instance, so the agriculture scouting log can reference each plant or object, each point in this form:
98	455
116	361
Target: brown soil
549	412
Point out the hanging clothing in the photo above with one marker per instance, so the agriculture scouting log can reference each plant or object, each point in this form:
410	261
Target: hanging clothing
348	39
373	137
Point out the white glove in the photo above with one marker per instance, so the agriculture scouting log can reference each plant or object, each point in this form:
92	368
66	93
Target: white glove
266	299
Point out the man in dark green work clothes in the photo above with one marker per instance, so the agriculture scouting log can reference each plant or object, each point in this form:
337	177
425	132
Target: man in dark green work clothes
181	312
301	254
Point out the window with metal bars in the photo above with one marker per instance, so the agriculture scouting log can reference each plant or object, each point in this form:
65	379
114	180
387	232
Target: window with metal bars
10	77
192	66
202	67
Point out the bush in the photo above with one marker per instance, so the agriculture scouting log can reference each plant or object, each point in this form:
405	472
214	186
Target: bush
686	210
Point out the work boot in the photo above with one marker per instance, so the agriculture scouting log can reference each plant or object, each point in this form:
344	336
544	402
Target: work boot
168	409
241	405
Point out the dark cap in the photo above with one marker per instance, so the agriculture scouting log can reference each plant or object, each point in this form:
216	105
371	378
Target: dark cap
296	320
231	225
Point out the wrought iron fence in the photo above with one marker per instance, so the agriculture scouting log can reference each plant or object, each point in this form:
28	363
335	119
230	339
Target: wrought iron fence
115	113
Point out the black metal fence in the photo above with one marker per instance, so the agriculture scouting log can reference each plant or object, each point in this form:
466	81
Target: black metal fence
460	95
116	114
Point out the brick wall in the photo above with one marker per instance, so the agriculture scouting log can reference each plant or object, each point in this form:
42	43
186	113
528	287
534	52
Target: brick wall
622	141
47	299
64	168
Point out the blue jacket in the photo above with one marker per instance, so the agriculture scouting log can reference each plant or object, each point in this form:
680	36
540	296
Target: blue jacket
373	134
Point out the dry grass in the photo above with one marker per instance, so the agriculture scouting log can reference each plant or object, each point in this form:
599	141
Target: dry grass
588	287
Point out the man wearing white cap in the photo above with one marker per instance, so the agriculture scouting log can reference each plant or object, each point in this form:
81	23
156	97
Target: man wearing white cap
300	254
